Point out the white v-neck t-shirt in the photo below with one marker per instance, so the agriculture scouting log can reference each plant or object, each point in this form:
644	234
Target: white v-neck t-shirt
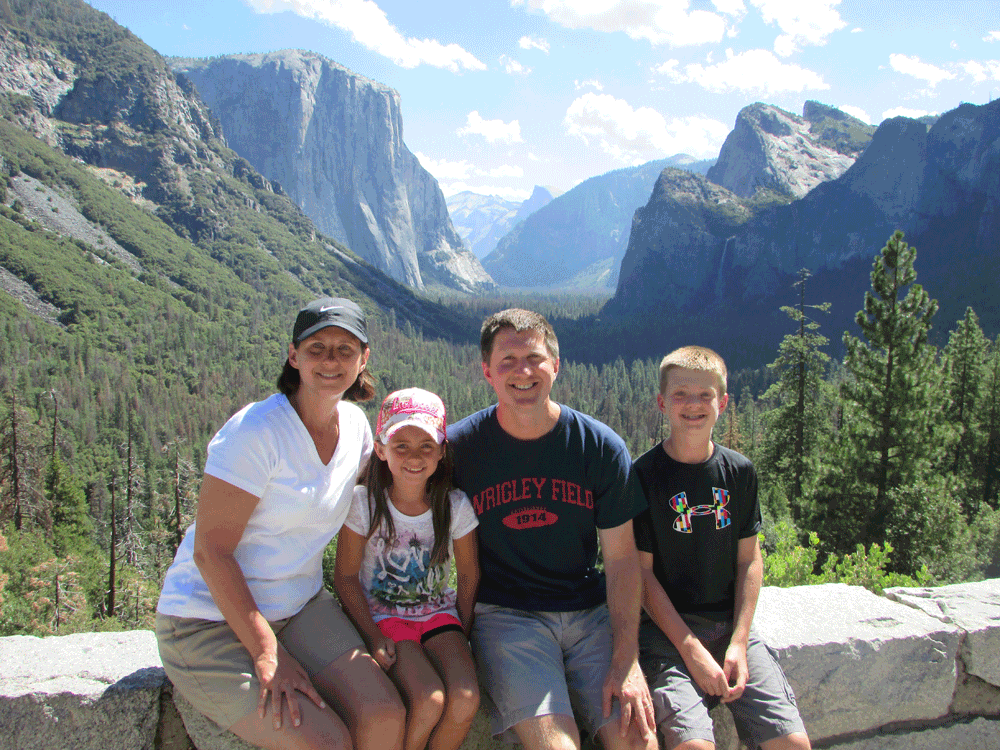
265	450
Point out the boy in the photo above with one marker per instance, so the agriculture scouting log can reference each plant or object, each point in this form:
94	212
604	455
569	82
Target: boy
702	571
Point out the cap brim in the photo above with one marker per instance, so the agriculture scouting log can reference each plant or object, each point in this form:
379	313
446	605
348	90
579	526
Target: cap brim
326	324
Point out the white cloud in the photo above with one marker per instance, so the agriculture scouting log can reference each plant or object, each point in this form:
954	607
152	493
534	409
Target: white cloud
981	70
905	112
954	44
491	130
913	66
505	170
730	7
635	136
592	82
443	169
658	21
856	112
526	42
856	30
993	36
802	23
369	27
753	70
513	67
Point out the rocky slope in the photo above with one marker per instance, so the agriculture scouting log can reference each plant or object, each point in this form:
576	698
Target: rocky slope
578	239
771	149
150	189
334	141
698	252
481	220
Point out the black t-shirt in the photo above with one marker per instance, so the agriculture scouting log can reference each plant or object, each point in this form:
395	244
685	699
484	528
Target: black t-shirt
696	517
540	503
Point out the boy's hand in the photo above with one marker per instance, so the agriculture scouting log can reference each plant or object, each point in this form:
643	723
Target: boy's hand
706	671
384	652
735	668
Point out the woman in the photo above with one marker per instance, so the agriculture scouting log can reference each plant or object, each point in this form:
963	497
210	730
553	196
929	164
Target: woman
246	631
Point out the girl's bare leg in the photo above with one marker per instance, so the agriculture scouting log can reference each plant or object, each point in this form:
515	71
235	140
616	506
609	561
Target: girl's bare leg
360	693
422	691
449	653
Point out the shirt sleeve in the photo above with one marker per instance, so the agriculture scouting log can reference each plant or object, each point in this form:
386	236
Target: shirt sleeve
642	527
753	522
359	516
623	499
463	517
241	455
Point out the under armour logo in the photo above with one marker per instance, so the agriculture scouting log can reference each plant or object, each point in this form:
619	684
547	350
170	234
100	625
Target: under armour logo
682	523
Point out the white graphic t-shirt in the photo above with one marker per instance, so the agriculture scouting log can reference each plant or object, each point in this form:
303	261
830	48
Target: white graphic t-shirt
397	578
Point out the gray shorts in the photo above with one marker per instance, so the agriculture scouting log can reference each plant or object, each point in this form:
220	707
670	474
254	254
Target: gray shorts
538	663
210	667
765	711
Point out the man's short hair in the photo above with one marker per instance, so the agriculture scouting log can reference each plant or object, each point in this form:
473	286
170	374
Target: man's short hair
698	358
519	320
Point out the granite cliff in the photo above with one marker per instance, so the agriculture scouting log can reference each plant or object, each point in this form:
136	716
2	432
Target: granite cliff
698	252
771	149
334	141
482	220
578	240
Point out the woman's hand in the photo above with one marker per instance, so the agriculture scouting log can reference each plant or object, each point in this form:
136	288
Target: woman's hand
383	650
281	675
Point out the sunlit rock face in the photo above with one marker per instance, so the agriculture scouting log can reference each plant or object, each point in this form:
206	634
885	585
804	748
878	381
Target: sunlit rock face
334	141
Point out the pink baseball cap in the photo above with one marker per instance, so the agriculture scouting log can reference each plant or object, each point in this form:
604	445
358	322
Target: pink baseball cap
411	406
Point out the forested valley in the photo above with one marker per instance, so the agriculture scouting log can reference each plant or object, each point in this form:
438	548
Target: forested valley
878	468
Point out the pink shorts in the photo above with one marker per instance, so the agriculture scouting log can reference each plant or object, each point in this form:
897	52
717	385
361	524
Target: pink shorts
418	630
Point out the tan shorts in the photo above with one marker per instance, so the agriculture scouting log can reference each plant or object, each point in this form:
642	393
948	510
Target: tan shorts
210	667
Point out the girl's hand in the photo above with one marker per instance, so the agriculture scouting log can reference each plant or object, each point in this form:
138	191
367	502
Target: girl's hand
282	675
384	652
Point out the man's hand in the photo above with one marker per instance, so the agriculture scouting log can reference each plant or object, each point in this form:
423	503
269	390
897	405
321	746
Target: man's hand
706	672
633	697
736	671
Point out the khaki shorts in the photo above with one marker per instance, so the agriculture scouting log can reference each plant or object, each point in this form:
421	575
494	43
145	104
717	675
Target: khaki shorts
210	667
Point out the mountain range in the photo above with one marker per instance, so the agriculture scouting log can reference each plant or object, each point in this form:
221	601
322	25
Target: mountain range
482	220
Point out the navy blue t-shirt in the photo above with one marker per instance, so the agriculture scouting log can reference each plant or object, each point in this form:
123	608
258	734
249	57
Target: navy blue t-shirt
540	503
697	515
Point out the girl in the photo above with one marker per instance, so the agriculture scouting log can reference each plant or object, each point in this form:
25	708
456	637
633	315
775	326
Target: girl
393	564
246	631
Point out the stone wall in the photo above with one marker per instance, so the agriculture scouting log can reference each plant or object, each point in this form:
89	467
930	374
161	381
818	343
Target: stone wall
916	669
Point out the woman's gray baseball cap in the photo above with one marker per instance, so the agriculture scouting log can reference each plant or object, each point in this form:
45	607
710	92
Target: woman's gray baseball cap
330	311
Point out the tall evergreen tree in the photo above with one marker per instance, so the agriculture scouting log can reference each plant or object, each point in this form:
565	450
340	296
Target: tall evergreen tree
890	405
795	427
990	459
964	366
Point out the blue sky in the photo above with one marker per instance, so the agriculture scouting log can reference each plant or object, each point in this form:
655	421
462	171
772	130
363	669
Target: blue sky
501	95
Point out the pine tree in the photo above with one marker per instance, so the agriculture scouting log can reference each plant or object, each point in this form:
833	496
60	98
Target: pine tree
796	426
889	403
964	365
990	458
71	523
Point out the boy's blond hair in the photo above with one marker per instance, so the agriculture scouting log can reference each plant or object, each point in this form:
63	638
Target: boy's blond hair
699	358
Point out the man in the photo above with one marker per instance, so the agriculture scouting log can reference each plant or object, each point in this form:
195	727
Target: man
555	638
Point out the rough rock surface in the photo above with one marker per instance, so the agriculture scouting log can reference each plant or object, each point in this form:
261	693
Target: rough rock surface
975	608
334	141
858	661
772	149
973	734
80	691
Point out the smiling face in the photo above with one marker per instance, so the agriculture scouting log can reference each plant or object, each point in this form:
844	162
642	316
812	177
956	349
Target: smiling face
521	371
691	402
412	455
329	361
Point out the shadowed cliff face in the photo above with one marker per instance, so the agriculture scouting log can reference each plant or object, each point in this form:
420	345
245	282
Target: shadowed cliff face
698	251
334	141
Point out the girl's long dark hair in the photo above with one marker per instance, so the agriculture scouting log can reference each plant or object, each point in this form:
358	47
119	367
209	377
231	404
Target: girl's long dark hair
378	480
